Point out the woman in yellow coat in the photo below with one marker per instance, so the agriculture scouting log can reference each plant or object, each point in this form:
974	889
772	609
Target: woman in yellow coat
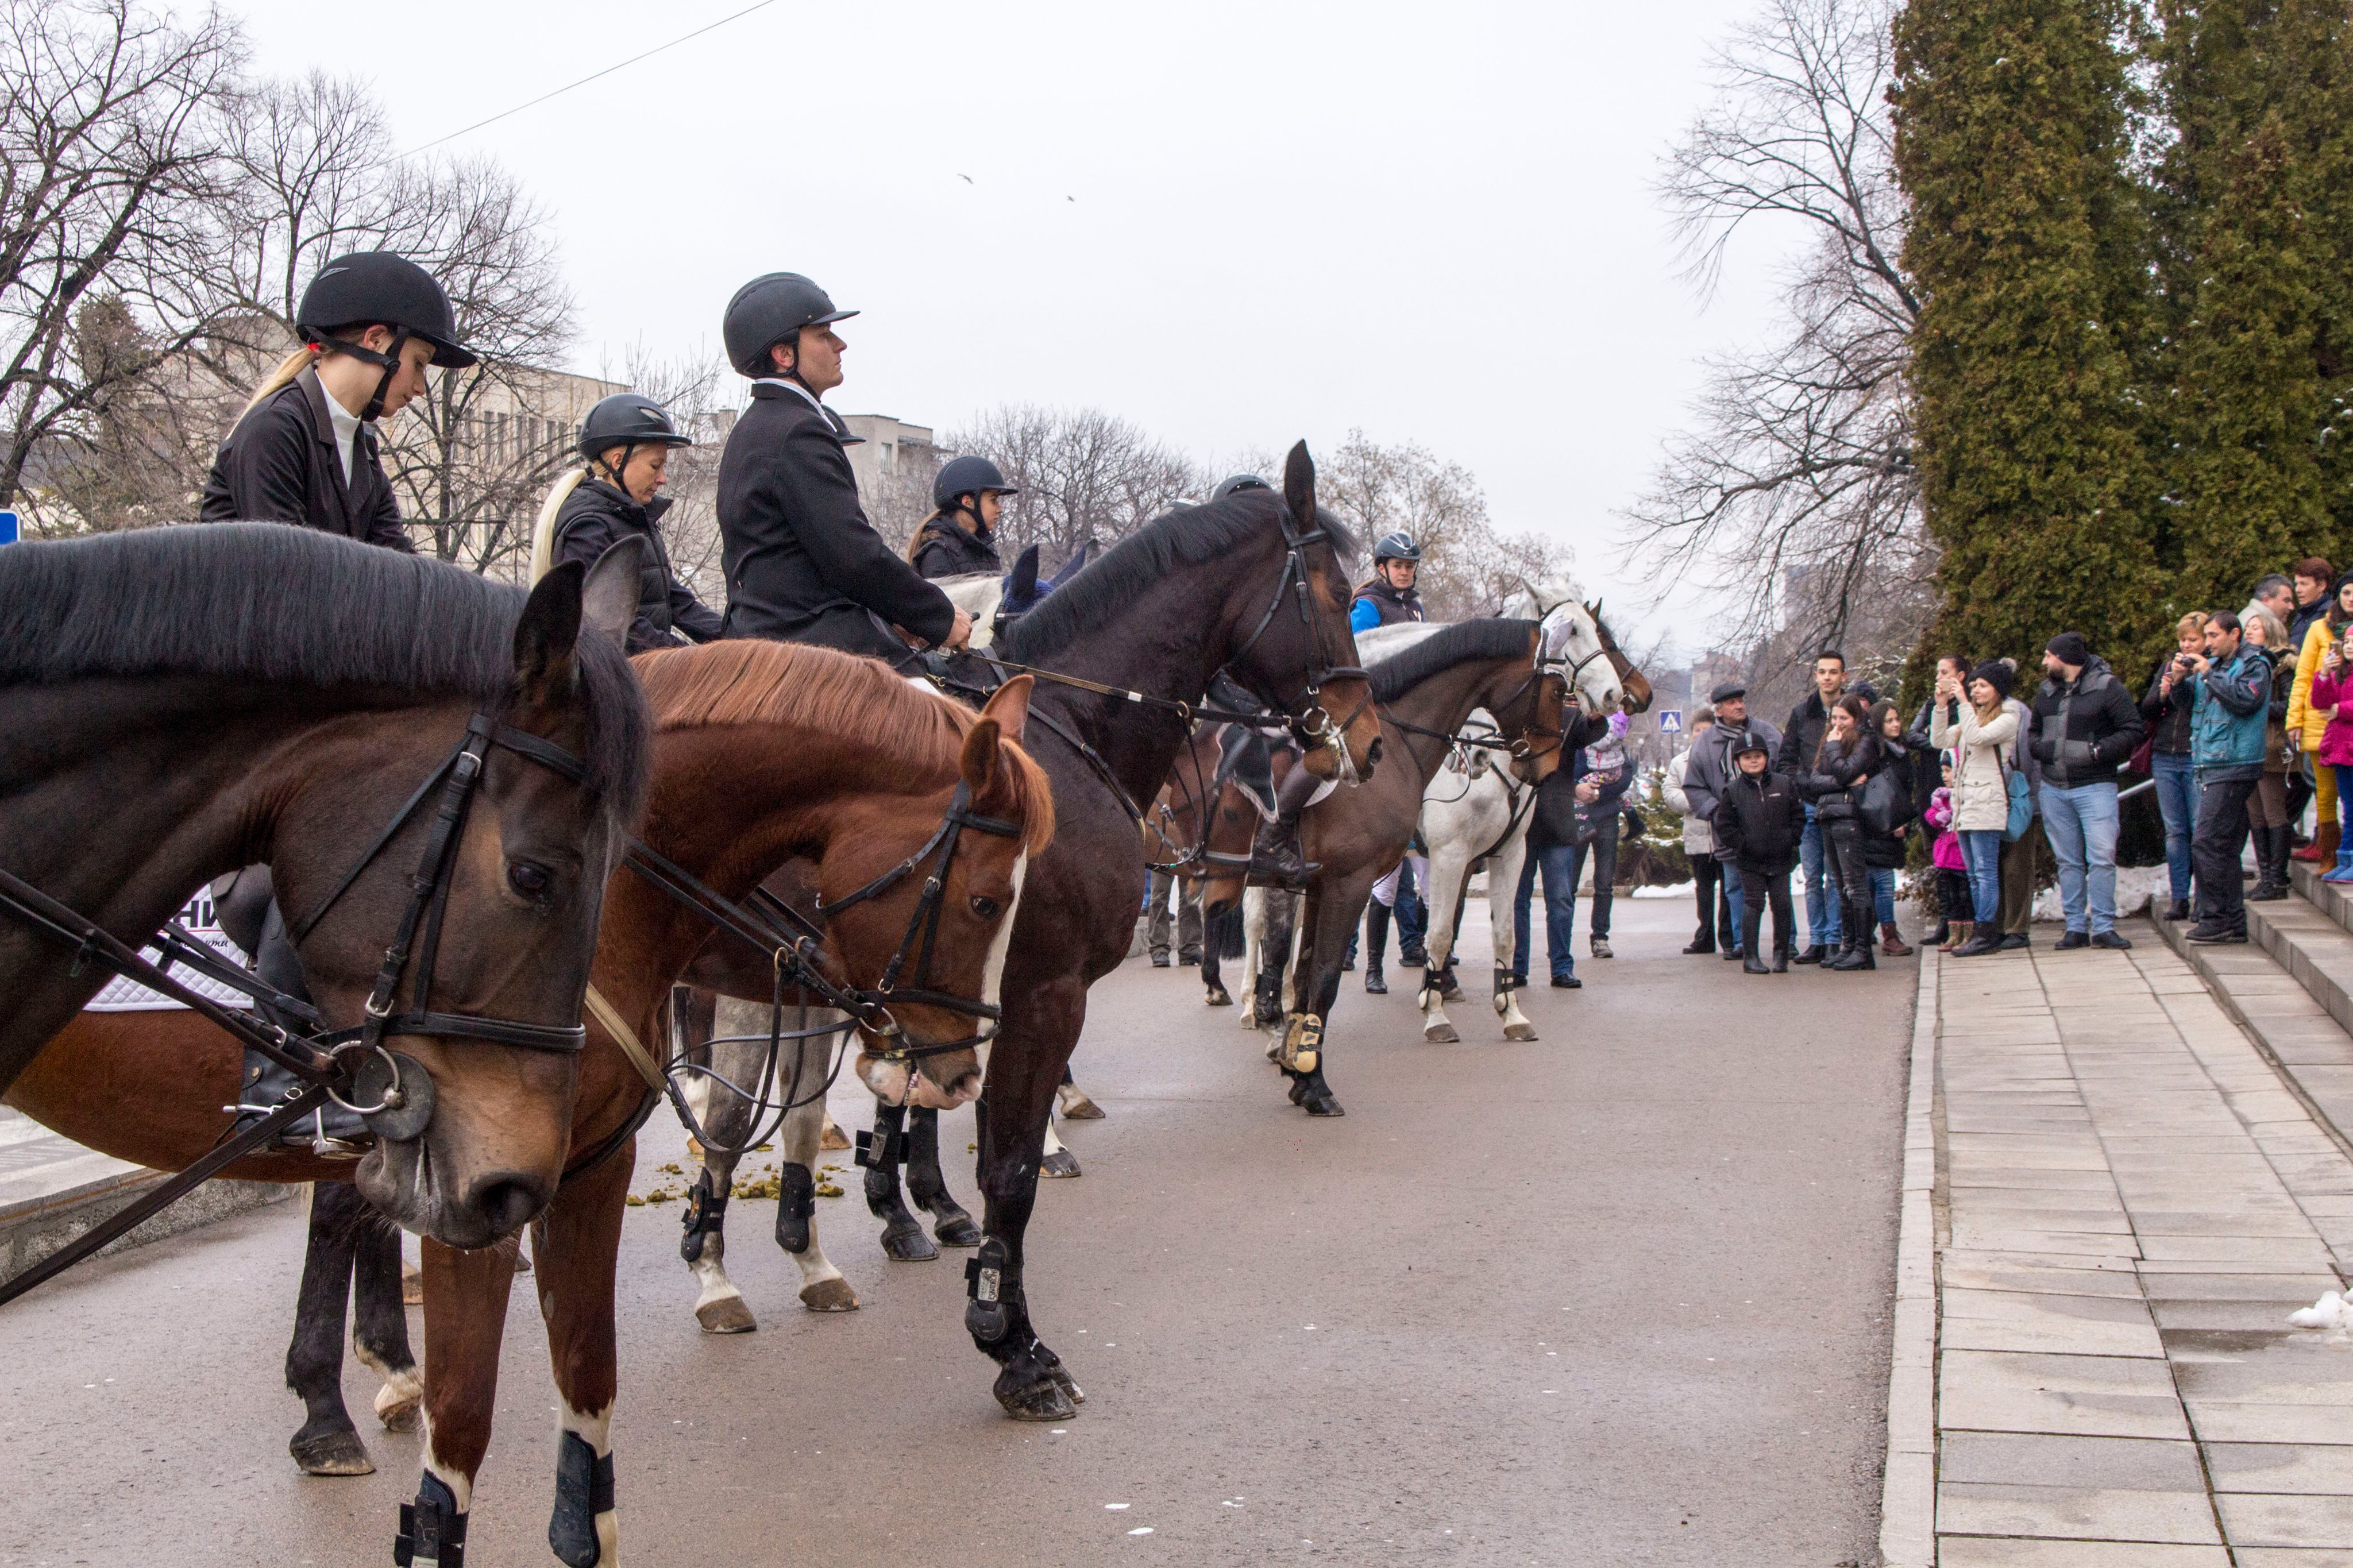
2306	722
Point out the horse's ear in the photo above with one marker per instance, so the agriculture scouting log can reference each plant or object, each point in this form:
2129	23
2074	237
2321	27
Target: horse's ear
978	765
608	599
1074	565
1594	609
547	634
1009	707
1021	582
1299	488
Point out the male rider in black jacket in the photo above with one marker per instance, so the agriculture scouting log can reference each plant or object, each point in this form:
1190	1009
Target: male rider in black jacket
802	563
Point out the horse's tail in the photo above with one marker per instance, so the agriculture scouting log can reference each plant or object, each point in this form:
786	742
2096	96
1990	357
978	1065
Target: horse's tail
542	533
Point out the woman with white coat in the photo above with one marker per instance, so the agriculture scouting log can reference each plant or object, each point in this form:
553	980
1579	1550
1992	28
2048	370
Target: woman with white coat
1980	728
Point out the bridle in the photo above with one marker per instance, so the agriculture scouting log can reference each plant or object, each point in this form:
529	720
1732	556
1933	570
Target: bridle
325	1064
1311	723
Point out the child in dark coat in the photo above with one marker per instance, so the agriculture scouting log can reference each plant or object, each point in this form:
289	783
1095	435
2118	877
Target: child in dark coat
1759	820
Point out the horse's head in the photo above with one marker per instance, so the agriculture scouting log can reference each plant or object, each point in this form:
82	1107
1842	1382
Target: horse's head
1524	703
1573	646
476	1142
920	902
1637	687
1291	645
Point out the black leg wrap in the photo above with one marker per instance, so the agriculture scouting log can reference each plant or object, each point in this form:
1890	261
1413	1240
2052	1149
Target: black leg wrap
706	1213
432	1530
584	1489
885	1149
1503	980
796	1205
993	1286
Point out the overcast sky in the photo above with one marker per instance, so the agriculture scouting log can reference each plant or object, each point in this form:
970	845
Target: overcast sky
1234	225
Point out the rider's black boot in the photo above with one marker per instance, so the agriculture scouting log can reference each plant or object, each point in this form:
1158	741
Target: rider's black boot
1276	860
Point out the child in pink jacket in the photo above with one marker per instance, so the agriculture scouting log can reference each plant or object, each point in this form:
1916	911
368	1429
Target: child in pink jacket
1952	870
2332	693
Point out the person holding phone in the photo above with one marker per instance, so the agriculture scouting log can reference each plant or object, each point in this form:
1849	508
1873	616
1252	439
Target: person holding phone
2165	709
1976	723
2232	703
2307	726
2332	697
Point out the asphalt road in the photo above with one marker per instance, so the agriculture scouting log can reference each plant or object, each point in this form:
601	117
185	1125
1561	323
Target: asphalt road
1616	1296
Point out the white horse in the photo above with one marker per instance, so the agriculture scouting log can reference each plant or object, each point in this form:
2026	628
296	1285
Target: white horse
1474	810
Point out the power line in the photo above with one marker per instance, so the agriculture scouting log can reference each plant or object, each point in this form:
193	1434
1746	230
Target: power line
584	81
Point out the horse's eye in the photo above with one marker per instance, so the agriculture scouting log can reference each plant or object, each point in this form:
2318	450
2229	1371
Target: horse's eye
986	909
529	878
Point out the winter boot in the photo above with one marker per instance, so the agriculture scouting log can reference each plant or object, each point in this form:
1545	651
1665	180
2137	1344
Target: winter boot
1943	932
1276	859
1376	939
2270	865
1956	936
1891	940
2322	847
2342	872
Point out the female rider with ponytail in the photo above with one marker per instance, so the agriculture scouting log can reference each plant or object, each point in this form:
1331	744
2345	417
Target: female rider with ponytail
304	451
626	441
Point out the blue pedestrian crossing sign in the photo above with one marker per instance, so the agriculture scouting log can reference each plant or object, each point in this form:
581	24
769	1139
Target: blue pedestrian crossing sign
8	528
1670	720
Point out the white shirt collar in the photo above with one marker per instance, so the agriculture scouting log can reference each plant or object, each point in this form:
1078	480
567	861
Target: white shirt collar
347	430
796	386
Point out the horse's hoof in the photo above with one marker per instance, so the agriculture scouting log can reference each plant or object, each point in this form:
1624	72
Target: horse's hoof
833	1137
726	1315
1079	1108
400	1401
331	1453
1043	1400
1322	1104
1519	1031
830	1296
1219	996
1060	1162
412	1285
909	1245
958	1232
1440	1033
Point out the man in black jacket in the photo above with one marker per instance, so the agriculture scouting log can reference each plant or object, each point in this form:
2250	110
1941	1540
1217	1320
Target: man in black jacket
802	563
2084	726
1795	759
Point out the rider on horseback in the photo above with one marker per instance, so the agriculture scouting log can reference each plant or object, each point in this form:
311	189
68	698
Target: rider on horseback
1390	597
959	537
626	441
304	452
802	563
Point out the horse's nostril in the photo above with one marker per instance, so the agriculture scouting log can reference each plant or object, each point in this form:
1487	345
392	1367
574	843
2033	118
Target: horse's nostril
1373	752
508	1201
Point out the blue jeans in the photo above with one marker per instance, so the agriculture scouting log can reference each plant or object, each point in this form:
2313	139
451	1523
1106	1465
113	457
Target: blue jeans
1559	863
1882	893
2177	802
1821	902
2080	824
1736	896
1982	847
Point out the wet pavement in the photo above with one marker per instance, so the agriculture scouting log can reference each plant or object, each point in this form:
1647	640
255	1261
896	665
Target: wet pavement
1616	1296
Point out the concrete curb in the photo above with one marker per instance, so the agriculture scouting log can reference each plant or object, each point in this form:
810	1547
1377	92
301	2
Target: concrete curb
1907	1499
31	1231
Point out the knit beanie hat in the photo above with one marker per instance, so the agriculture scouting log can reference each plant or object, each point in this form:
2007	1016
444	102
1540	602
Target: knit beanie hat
1998	674
2071	648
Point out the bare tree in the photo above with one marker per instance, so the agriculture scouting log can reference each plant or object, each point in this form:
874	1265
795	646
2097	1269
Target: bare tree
1794	499
112	130
1467	567
1084	476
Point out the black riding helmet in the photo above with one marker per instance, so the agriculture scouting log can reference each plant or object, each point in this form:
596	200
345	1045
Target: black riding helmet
628	420
968	477
768	310
369	288
1233	483
1398	546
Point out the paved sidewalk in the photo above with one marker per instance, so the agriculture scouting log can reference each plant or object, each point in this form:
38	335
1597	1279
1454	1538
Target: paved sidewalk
2129	1204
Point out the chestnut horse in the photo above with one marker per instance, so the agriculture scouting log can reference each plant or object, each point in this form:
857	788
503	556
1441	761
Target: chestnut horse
765	752
182	702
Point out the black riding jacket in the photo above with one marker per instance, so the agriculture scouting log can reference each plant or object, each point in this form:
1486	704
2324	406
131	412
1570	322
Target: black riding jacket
802	563
281	464
944	549
597	516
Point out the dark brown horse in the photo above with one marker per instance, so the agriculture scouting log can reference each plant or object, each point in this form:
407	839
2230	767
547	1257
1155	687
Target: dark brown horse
1356	835
182	702
766	751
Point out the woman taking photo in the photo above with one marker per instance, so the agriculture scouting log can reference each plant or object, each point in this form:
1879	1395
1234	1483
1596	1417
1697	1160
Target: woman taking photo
2168	715
2267	817
1886	840
1850	752
1983	740
2306	724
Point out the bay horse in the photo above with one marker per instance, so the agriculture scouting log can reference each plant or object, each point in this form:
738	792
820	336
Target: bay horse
765	752
1253	586
1424	695
182	702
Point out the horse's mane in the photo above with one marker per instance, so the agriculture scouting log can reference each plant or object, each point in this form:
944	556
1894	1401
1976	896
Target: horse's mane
751	680
269	602
1446	647
1191	535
